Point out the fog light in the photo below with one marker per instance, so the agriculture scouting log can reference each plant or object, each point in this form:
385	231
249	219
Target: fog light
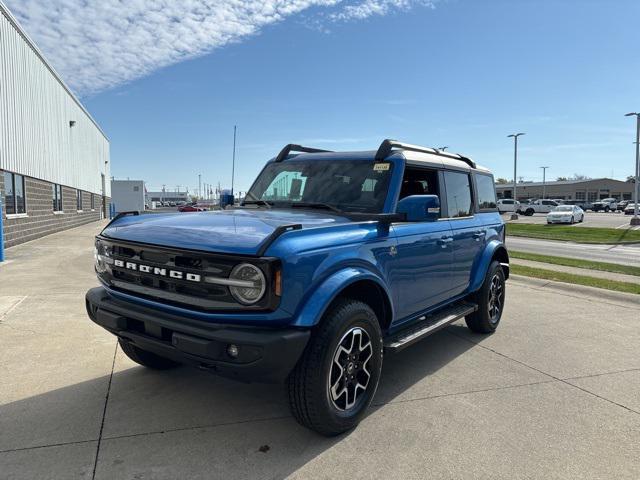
232	351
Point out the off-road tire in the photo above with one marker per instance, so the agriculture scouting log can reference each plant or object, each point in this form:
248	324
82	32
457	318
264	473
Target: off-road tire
529	212
145	358
308	384
481	321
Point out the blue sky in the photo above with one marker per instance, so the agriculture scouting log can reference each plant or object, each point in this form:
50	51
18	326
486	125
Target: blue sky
461	73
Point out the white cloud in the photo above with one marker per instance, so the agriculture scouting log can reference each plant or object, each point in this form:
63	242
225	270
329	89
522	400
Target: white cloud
96	45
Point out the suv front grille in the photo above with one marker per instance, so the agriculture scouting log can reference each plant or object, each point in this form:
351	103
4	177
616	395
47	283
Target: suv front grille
147	271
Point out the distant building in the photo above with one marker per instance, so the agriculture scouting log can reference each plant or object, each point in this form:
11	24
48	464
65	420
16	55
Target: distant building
590	190
168	196
127	195
54	157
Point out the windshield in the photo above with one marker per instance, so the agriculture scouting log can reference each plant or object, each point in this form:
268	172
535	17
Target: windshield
564	208
346	185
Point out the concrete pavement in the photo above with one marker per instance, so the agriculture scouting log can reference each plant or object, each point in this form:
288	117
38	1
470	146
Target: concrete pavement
552	394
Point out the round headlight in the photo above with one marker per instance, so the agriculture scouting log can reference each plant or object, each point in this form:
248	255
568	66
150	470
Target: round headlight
250	285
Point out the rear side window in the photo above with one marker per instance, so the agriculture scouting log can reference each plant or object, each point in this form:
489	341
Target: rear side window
458	187
486	192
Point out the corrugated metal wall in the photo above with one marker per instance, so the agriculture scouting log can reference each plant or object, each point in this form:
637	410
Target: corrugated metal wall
35	111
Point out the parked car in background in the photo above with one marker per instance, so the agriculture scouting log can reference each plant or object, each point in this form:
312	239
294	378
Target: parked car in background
622	205
565	214
605	205
583	204
508	205
630	208
559	201
538	206
192	207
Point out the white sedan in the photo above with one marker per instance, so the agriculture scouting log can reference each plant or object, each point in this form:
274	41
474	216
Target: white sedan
565	214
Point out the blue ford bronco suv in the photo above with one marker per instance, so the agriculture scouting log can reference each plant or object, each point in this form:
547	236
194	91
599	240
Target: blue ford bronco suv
333	260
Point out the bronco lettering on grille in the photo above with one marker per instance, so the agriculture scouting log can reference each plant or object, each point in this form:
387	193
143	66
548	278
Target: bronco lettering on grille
161	272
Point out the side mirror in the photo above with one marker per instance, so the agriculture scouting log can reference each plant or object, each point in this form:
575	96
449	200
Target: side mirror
420	208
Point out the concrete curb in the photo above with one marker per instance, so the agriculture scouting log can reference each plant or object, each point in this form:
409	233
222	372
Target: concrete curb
600	293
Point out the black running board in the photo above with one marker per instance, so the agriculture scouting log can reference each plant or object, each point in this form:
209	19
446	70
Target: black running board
430	324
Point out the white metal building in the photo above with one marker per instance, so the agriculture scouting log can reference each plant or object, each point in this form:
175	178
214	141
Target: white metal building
127	195
54	158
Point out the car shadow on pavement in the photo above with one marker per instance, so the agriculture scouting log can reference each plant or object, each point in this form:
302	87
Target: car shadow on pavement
146	405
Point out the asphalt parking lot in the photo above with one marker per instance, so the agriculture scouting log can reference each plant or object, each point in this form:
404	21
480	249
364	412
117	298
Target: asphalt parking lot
554	393
591	219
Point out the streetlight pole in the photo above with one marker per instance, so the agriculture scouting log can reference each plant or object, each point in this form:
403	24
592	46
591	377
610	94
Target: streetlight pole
514	215
233	161
544	182
635	220
199	186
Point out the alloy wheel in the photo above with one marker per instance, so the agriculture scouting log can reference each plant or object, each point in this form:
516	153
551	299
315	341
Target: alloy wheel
349	375
496	297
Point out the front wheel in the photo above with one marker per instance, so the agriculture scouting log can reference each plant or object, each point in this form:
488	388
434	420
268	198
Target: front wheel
334	382
490	299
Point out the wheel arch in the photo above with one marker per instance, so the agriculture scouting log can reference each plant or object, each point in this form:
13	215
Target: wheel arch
495	250
354	283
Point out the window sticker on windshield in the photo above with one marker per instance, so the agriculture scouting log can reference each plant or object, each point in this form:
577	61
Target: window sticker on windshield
381	167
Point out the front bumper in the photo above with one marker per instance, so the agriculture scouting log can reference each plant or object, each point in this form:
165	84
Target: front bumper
265	354
559	220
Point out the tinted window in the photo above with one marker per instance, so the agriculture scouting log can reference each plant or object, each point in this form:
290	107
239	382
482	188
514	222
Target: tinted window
79	199
486	192
57	197
458	194
18	184
9	198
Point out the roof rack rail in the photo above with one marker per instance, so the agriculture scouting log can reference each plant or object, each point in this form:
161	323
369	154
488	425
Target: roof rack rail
292	147
388	145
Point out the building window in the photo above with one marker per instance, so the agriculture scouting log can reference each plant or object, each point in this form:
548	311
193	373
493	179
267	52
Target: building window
580	195
14	196
56	193
93	202
593	196
79	199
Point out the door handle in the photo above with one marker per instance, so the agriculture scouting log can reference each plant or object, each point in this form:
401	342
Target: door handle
478	235
444	241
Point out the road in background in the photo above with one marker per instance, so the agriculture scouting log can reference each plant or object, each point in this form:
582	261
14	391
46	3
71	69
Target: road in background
591	219
622	254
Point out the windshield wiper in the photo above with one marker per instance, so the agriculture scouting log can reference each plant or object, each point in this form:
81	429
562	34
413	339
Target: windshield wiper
324	206
257	202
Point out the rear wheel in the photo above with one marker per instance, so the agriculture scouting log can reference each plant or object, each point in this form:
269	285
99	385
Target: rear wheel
335	380
145	358
490	299
529	212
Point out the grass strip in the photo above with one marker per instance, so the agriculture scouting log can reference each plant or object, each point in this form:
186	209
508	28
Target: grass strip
574	234
575	279
578	263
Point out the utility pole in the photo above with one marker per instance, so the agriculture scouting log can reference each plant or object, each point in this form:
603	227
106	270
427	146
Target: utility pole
200	186
514	215
544	182
233	161
636	187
